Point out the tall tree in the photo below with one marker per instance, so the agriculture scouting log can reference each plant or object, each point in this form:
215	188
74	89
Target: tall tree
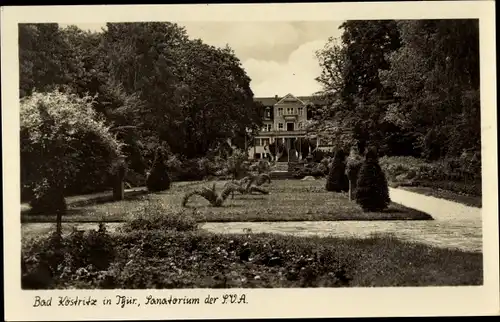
42	63
214	97
435	75
367	44
195	94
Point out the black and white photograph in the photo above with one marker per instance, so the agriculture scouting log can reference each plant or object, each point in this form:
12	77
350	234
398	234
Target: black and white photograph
249	154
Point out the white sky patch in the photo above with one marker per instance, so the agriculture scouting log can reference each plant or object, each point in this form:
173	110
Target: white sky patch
296	75
279	56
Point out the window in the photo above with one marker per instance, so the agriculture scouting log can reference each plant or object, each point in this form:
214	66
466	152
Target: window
280	111
265	142
289	110
257	142
300	125
268	113
280	126
301	111
269	127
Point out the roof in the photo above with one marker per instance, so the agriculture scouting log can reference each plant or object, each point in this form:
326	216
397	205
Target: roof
270	101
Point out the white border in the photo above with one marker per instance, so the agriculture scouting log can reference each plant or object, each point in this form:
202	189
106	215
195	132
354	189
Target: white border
369	302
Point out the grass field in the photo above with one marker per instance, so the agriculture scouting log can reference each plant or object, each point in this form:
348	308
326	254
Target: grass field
289	200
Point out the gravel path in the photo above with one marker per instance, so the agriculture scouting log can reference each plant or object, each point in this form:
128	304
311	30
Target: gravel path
456	226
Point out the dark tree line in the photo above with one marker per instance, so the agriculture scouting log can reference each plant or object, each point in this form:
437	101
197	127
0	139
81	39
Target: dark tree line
151	86
407	87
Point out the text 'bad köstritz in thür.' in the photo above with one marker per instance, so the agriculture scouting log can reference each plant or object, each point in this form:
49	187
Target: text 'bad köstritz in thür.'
128	301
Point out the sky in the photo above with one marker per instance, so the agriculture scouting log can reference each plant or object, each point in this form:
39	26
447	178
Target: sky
279	56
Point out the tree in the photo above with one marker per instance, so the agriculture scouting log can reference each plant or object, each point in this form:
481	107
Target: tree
356	99
337	179
61	137
372	192
329	122
215	98
195	94
435	75
332	61
364	97
42	63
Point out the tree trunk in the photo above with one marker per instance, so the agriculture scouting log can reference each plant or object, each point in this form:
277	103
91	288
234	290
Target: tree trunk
118	189
352	189
59	223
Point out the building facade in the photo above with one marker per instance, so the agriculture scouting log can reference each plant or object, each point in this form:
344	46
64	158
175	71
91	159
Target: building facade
284	122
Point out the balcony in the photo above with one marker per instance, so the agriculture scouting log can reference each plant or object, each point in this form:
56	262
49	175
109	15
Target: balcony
290	113
281	133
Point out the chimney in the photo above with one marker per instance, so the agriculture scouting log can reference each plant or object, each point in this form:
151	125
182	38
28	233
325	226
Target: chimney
276	97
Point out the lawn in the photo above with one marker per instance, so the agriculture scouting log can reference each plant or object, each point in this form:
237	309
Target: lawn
288	200
173	253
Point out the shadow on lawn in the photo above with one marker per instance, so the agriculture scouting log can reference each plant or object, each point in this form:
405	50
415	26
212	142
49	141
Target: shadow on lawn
76	207
129	196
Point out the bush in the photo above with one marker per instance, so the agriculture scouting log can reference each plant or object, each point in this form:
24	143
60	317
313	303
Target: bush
337	179
263	166
237	164
64	144
462	175
77	259
198	260
316	170
158	179
372	192
154	216
326	163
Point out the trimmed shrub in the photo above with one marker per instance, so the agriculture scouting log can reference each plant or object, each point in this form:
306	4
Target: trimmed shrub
337	179
372	192
158	179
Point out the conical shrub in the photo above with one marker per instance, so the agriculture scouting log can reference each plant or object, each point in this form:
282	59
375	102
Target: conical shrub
337	180
158	179
372	191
